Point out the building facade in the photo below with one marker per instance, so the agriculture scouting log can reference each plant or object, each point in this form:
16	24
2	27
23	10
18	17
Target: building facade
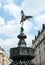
39	45
4	59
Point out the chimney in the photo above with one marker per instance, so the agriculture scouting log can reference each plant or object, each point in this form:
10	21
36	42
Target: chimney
35	37
38	33
32	41
43	28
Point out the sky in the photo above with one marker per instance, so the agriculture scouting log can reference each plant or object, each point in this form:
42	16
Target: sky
10	16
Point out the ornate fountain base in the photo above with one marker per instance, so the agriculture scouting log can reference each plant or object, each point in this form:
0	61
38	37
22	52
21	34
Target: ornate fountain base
22	55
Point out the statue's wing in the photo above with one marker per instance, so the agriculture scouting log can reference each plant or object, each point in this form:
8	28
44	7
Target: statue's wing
28	17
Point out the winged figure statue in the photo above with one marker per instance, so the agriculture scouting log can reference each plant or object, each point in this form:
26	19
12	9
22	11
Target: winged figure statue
24	17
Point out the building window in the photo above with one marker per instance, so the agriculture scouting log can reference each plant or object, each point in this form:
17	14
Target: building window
38	41
44	42
3	62
40	57
39	48
36	59
44	52
43	35
0	60
35	45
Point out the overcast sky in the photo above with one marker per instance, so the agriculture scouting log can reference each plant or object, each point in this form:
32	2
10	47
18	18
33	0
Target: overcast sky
10	17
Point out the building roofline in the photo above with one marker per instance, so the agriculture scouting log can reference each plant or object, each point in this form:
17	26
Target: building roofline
39	43
39	33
